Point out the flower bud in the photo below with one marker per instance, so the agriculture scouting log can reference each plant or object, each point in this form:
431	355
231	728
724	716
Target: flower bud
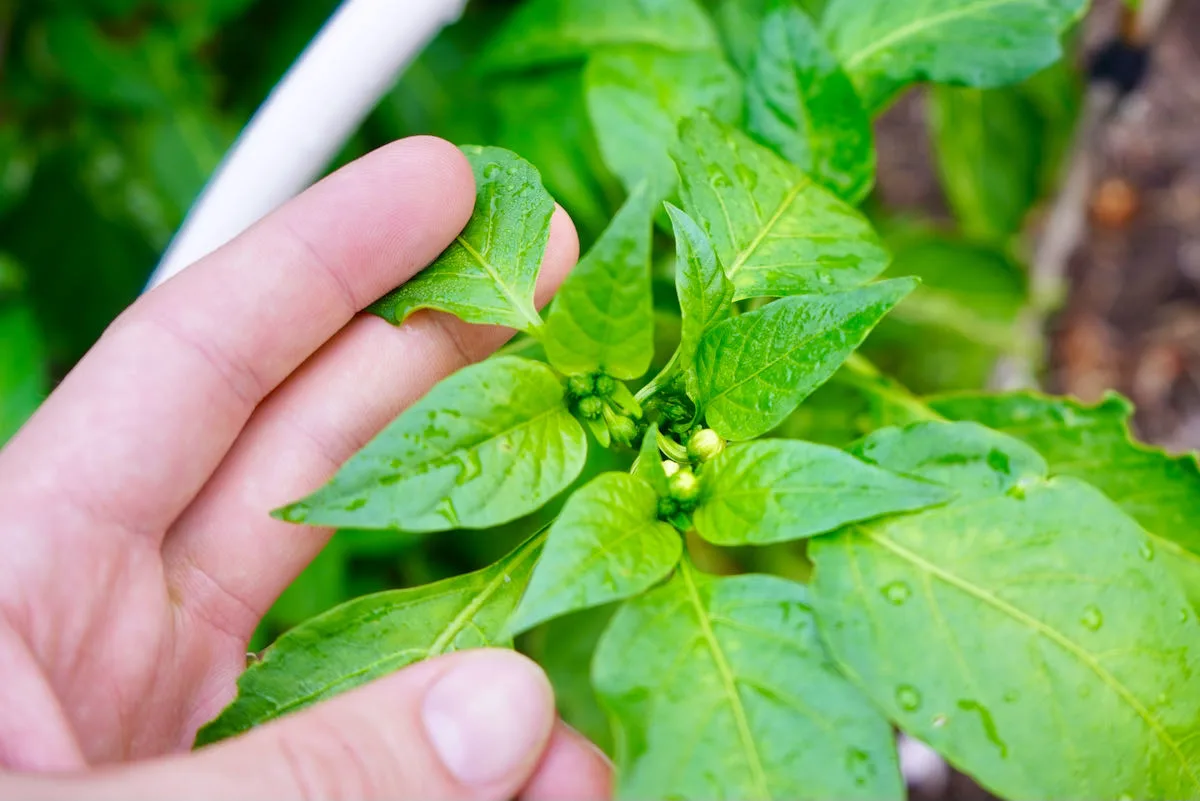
705	444
667	507
684	486
591	408
670	467
581	386
605	385
623	429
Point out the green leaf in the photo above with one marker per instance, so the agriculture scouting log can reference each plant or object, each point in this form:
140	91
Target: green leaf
373	636
490	444
547	31
755	369
488	275
758	493
989	155
24	378
705	293
608	544
1008	628
543	117
636	98
801	103
950	331
886	45
563	647
649	464
1094	443
603	318
977	462
776	231
719	688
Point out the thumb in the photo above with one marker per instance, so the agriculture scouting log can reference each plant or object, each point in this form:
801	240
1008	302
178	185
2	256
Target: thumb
472	725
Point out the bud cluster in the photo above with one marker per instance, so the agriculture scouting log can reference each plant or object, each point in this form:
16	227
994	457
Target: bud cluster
607	407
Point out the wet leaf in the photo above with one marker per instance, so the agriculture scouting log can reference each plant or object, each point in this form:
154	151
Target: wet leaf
757	493
755	369
1008	627
607	545
731	695
490	444
603	317
705	293
776	231
373	636
801	103
489	273
1094	443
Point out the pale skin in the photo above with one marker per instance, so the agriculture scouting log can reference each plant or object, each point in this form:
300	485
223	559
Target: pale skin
139	554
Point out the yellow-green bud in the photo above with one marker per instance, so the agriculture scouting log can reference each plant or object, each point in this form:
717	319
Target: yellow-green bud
623	429
670	467
684	485
591	408
705	444
581	386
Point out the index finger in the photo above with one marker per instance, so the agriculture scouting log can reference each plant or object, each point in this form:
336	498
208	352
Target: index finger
139	425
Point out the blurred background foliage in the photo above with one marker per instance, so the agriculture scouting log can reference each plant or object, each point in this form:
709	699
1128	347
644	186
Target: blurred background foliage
114	113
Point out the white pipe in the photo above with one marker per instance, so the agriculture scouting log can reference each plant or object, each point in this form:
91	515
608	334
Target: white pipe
307	118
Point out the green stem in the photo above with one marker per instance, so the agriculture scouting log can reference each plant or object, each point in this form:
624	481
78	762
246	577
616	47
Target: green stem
858	371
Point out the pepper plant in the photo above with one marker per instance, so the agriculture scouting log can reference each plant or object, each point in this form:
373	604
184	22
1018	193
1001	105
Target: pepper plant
1007	577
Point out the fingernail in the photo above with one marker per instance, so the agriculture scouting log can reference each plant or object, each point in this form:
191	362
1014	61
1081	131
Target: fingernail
489	716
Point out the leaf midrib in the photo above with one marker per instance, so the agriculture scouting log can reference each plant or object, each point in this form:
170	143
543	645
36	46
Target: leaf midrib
452	629
1044	630
762	790
917	26
533	320
767	227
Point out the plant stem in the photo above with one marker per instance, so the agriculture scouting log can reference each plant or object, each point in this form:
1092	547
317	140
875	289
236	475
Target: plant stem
858	371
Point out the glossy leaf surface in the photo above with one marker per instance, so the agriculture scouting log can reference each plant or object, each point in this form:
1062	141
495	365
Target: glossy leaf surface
488	274
1022	630
753	370
373	636
776	231
705	293
757	493
732	696
1094	443
607	545
801	103
490	444
603	316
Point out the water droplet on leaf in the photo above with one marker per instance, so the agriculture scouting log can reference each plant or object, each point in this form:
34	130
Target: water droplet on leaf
1146	550
858	765
896	592
908	698
1092	619
939	721
491	171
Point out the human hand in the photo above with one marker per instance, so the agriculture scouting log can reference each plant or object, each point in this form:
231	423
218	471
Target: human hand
140	556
